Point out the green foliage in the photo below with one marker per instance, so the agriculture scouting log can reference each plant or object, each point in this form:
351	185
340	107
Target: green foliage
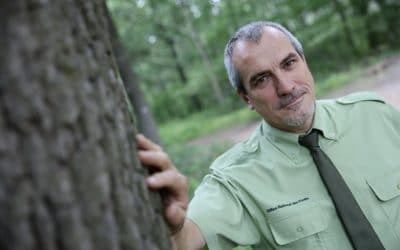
198	124
336	80
339	78
194	161
177	46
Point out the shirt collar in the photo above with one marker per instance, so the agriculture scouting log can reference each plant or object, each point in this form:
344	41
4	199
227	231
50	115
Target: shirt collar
323	121
287	142
283	141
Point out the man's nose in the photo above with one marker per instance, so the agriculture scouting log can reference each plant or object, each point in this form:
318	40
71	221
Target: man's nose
284	85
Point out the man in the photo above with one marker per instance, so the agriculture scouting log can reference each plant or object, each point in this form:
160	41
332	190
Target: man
267	191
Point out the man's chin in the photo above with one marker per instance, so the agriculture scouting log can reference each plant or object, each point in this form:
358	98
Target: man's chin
297	120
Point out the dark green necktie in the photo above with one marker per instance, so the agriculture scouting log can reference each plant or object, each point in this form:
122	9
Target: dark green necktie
358	228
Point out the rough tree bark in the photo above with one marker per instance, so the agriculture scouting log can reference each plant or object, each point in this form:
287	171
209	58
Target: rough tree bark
69	174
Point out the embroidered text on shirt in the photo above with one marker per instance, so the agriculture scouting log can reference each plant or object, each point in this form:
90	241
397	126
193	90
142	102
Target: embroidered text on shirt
269	210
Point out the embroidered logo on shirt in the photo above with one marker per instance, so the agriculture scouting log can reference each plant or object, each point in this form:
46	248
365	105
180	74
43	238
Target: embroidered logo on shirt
269	210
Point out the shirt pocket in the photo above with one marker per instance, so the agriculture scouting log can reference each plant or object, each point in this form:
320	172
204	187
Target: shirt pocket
386	187
387	190
300	231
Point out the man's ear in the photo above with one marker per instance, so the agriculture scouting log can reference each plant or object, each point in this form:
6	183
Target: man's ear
245	98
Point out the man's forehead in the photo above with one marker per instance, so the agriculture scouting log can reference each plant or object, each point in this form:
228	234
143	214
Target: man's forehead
271	38
273	32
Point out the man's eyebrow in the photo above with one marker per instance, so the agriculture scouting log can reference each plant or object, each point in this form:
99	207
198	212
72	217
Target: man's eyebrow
257	75
289	56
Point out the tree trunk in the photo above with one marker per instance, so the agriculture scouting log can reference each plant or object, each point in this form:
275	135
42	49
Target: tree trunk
345	26
169	41
200	47
69	174
373	37
168	34
390	13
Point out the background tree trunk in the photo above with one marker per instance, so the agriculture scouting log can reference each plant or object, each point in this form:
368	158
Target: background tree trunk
145	119
201	48
69	174
373	35
345	26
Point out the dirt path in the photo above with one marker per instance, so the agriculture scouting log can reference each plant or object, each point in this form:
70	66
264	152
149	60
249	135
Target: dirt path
382	78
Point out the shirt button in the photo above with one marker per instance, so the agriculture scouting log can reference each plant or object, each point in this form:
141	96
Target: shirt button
299	229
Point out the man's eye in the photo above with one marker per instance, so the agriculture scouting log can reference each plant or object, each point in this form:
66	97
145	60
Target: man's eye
261	80
289	63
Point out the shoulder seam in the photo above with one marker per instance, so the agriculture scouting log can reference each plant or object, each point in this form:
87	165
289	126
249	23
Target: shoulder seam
360	97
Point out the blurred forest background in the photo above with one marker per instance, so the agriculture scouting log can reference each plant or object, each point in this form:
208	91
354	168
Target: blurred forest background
175	49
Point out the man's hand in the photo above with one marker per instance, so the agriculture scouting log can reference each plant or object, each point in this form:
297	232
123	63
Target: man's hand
166	178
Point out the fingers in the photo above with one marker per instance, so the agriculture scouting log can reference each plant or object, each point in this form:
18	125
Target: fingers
150	154
176	202
175	199
170	179
156	159
167	177
146	144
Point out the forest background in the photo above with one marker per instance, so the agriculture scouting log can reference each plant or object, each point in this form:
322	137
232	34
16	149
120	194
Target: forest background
175	48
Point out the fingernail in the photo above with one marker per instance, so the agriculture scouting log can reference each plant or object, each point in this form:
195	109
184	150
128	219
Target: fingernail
150	180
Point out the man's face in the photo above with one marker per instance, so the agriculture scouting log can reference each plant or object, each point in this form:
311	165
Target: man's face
278	83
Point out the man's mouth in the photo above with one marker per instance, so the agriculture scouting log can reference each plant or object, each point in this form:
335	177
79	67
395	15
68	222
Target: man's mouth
292	100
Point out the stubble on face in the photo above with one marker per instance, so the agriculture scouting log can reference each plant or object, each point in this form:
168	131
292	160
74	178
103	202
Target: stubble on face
299	117
297	112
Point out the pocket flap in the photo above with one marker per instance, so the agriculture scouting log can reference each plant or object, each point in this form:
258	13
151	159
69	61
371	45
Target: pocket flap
386	187
308	222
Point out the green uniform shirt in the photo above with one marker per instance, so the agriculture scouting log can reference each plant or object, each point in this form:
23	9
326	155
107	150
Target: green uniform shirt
267	192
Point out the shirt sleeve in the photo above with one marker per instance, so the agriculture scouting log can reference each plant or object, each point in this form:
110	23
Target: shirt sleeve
394	116
221	216
390	116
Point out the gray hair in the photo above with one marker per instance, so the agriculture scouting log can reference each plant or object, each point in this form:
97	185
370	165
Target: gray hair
252	32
